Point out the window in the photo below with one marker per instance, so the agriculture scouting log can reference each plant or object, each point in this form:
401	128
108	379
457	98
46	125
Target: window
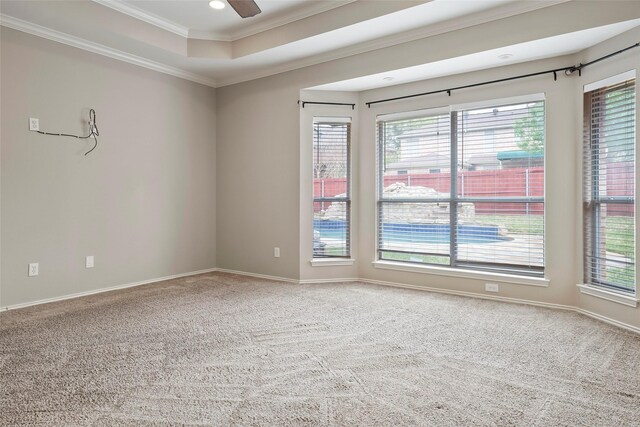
609	185
331	187
473	195
414	209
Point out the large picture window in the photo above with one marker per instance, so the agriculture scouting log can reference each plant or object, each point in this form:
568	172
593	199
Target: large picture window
609	185
464	188
331	187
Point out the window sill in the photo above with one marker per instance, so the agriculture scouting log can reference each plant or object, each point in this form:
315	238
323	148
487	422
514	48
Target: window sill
617	297
468	274
331	262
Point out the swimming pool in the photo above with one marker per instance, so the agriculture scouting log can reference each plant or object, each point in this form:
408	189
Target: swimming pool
416	233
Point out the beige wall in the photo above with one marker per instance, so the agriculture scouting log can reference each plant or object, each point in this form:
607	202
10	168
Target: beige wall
258	178
143	203
249	225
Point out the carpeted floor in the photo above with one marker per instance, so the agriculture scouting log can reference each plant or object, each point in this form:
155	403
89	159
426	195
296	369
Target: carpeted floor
225	350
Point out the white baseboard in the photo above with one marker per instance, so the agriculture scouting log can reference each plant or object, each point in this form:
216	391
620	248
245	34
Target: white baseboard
259	276
469	294
511	300
339	280
587	313
606	319
101	290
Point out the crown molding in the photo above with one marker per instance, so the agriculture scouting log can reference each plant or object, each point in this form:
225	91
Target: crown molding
511	9
147	17
69	40
272	23
250	30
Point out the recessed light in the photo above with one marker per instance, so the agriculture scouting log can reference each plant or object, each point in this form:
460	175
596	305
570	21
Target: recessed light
217	4
505	56
387	79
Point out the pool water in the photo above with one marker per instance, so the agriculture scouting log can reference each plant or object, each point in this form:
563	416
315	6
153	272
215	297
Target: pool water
416	233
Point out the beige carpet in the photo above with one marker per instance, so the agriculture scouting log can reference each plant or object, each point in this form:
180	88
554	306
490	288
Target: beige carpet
225	350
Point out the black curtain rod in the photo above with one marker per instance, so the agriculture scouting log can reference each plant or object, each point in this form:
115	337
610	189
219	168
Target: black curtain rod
303	103
567	70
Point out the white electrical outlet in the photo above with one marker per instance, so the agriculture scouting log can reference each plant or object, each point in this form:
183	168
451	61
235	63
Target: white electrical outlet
276	252
492	287
34	124
34	269
89	261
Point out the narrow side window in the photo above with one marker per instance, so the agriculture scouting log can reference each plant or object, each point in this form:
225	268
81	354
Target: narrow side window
331	188
609	186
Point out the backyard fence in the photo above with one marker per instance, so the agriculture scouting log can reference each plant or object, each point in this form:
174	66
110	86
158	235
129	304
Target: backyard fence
513	182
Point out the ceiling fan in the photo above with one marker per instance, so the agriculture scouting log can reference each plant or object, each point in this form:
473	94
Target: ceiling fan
245	8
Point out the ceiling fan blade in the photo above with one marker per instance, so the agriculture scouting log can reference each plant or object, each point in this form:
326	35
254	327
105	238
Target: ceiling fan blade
245	8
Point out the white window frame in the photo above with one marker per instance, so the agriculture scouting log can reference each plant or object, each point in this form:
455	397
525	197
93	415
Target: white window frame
518	276
335	260
596	288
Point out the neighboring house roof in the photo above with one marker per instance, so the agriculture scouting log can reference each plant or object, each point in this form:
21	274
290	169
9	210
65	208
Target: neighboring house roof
519	154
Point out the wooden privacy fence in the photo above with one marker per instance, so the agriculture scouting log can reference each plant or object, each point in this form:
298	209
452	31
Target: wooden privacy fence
514	182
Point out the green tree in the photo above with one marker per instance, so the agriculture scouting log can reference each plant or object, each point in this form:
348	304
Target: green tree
529	130
617	116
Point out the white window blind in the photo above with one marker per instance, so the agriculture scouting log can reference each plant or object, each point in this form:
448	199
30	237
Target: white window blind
609	186
464	189
500	187
331	187
414	203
